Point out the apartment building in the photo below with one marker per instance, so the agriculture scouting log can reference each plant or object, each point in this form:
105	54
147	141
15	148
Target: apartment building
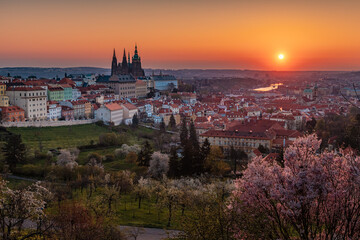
31	99
111	113
4	100
12	114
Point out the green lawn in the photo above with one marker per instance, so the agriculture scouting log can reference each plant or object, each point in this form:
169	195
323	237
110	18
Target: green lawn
18	183
116	165
127	211
63	137
75	136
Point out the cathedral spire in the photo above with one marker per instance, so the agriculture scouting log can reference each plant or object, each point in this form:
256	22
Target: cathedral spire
136	56
124	57
114	64
124	64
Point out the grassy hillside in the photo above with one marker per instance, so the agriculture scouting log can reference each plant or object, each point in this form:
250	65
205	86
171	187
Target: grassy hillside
64	137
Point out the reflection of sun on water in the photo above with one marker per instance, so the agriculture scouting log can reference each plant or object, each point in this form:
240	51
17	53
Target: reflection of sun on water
271	87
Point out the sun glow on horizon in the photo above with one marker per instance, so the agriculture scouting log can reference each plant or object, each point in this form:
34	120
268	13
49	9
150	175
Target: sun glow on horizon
281	56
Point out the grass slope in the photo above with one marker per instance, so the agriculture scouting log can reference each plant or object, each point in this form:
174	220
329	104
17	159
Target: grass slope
63	137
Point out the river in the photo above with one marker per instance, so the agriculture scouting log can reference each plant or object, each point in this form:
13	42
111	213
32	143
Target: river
271	87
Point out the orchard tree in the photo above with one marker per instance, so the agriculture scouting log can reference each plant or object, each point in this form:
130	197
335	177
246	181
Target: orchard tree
67	158
312	196
18	206
159	165
125	149
209	218
75	221
142	190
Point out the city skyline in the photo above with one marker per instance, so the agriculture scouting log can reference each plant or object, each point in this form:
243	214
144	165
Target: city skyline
317	35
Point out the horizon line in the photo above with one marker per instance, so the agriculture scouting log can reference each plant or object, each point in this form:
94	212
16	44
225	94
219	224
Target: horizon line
202	69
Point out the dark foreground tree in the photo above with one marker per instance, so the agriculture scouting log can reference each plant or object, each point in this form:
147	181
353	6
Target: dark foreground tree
144	156
172	122
14	151
174	164
162	126
135	121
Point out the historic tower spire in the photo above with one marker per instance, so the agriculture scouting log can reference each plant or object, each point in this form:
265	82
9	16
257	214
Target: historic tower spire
124	65
114	64
136	64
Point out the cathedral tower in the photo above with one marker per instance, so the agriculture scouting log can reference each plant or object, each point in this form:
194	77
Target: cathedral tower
124	65
136	69
114	65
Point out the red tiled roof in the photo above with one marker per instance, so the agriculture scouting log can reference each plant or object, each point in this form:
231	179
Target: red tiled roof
12	109
28	89
140	82
66	108
79	102
67	81
113	106
129	106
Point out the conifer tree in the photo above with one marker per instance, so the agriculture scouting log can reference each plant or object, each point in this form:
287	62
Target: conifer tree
172	122
193	138
187	163
135	121
197	160
184	134
144	155
204	152
174	164
187	157
14	151
148	151
162	126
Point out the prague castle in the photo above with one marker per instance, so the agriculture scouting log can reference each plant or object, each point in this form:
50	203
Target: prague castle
124	77
126	67
128	79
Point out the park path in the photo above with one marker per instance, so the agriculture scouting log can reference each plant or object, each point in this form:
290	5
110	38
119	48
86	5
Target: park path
136	233
20	178
155	128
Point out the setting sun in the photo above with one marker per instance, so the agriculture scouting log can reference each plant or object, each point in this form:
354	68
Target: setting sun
281	56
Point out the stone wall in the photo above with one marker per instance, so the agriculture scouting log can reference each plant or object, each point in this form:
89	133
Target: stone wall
47	123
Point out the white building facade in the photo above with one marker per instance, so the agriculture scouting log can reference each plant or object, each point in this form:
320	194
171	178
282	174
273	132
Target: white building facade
31	99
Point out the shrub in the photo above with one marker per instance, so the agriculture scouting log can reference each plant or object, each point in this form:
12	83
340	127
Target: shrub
31	170
131	157
108	139
109	157
125	149
159	165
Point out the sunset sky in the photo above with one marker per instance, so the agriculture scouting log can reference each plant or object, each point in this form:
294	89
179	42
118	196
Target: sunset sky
312	35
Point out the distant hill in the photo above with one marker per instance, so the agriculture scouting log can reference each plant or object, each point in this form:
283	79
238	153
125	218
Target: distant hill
50	72
187	74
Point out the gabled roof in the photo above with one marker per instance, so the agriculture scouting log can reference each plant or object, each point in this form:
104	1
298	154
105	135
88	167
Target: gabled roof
113	106
67	81
25	89
129	106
